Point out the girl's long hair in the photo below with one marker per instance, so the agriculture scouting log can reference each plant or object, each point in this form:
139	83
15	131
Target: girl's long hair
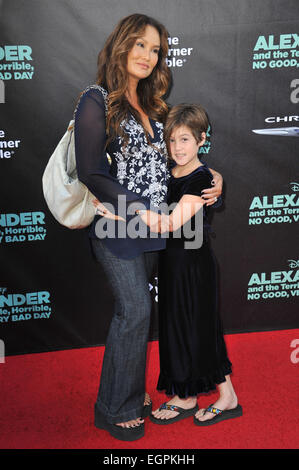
113	76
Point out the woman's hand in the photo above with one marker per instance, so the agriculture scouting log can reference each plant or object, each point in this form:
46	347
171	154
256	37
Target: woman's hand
101	210
210	195
150	218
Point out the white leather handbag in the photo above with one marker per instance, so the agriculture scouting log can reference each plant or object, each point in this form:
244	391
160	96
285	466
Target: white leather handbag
69	200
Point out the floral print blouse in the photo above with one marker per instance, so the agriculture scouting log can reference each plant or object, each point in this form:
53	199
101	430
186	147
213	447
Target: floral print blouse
137	170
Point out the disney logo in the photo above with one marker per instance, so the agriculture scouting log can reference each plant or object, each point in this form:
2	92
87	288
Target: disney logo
293	263
295	186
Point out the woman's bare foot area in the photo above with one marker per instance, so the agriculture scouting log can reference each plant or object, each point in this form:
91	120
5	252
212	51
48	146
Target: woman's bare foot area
147	399
136	422
131	424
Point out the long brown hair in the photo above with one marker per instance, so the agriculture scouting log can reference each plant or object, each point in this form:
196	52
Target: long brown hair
112	74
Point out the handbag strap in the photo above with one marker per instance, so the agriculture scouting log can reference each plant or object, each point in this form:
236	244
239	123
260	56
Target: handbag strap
95	87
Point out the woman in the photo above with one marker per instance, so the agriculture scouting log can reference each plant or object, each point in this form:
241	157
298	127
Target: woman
124	116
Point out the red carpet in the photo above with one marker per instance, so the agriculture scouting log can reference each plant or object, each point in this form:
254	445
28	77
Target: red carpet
47	400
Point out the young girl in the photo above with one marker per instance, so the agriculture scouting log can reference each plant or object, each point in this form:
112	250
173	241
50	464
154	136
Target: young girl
193	357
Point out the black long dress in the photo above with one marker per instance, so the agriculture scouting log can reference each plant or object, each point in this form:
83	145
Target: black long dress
193	356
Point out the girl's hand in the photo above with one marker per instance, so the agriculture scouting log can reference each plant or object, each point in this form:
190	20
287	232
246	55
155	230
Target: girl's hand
101	210
166	224
211	195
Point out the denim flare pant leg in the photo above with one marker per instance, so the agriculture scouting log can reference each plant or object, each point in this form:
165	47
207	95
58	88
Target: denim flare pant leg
122	384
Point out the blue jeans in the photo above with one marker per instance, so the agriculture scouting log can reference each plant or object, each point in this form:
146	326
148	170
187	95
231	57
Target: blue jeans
122	384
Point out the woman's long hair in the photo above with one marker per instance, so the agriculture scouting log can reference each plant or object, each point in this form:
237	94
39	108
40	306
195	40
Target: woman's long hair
113	76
